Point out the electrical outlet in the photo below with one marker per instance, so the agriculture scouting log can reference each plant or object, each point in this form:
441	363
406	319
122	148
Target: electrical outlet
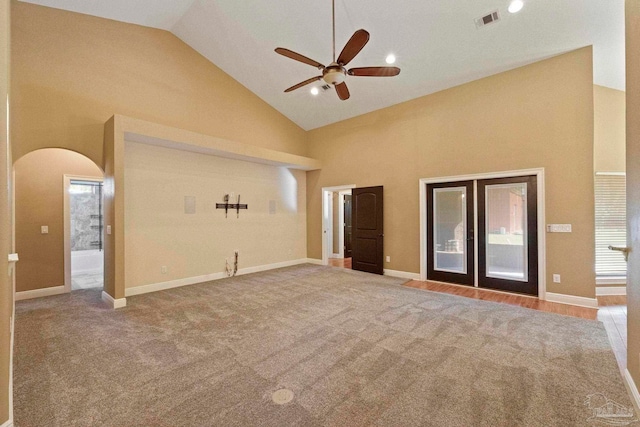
163	269
388	258
556	278
44	229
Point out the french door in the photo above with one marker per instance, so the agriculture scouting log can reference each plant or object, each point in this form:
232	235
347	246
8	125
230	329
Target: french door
505	241
450	219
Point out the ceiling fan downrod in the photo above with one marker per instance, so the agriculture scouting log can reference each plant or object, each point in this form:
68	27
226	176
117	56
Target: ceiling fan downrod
333	21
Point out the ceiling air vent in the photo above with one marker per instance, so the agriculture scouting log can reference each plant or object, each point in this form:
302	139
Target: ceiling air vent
487	19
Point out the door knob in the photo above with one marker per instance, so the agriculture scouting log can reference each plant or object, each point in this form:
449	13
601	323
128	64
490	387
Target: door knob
624	250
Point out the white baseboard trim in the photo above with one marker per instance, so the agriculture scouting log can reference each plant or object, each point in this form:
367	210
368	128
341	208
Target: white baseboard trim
7	424
620	281
571	300
154	287
113	303
170	284
631	384
37	293
402	274
610	290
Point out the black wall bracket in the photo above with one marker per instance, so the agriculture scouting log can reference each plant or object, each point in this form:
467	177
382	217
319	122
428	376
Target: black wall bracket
226	206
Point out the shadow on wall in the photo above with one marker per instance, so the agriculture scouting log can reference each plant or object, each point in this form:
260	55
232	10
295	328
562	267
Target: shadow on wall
39	214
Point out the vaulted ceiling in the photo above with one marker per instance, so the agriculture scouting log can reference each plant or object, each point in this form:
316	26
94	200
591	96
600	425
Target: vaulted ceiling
436	42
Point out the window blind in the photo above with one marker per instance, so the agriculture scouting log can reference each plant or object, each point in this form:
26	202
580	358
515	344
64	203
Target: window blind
611	224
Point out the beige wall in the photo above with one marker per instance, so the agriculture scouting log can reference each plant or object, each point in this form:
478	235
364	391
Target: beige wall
113	243
633	185
159	233
608	129
540	115
39	201
73	72
6	286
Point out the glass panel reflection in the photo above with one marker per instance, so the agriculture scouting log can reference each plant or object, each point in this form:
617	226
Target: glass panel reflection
450	229
506	239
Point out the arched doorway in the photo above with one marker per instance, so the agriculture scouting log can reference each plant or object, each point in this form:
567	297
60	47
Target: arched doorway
58	226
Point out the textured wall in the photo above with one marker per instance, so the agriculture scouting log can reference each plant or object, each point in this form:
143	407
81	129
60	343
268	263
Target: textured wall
159	233
73	72
39	201
609	129
540	115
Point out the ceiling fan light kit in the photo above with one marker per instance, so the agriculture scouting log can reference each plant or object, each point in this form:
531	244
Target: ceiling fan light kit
335	73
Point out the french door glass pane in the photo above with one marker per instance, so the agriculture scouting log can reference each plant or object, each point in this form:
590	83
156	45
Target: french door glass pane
450	229
506	228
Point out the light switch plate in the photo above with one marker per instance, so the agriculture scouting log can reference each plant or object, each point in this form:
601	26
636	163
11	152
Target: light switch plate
108	229
44	229
559	228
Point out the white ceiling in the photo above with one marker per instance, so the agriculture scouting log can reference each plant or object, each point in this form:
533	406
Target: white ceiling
437	44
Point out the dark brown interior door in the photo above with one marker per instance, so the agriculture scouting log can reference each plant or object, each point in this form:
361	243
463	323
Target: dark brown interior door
347	226
450	250
368	234
507	234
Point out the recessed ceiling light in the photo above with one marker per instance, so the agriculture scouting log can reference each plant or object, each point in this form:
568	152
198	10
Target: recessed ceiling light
314	91
515	6
391	58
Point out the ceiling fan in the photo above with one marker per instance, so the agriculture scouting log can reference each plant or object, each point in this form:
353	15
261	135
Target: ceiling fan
336	73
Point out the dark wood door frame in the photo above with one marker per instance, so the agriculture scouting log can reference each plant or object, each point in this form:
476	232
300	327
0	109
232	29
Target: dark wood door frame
529	287
540	233
467	278
347	233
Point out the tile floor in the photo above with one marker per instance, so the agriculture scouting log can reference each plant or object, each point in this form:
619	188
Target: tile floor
86	281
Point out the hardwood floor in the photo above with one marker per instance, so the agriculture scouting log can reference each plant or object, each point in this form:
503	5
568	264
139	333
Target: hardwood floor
340	262
611	311
507	298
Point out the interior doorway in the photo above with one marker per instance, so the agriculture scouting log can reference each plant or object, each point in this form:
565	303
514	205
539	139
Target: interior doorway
42	219
84	239
336	242
485	230
352	224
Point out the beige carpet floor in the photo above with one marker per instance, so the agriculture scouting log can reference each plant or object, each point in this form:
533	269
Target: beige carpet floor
356	350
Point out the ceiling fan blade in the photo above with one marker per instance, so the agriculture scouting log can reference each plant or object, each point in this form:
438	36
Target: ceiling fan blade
304	83
343	91
296	56
353	47
374	71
